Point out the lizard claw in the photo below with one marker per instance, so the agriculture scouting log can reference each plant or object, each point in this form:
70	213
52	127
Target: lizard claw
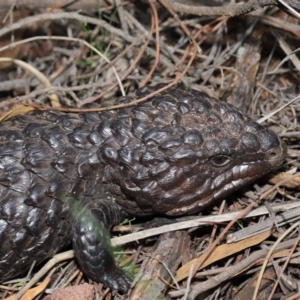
117	280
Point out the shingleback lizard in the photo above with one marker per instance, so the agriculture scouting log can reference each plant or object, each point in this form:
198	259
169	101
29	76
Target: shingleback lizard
65	177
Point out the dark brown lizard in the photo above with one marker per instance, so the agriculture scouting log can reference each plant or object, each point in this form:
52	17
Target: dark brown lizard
66	177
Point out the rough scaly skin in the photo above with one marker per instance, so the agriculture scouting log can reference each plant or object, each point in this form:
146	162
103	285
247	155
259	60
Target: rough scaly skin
66	177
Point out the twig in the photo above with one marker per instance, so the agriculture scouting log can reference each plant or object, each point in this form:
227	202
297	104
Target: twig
232	9
66	4
214	219
272	250
245	264
72	15
285	265
156	26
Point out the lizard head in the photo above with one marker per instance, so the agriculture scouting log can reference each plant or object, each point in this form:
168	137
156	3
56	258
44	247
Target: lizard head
187	150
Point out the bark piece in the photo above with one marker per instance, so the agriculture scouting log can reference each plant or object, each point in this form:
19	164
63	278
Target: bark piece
166	254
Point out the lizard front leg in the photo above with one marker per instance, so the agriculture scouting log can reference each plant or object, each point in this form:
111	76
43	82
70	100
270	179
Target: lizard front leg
91	243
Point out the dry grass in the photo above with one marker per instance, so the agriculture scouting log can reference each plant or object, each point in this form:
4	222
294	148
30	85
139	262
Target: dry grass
247	60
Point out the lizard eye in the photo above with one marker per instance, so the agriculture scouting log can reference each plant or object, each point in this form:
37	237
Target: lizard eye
220	160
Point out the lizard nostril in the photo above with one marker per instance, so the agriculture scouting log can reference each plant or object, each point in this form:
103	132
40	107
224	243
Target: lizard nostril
273	155
277	155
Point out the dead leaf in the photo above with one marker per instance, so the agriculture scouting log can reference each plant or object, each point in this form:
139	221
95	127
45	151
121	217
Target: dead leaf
8	38
248	289
32	293
287	180
221	252
21	110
